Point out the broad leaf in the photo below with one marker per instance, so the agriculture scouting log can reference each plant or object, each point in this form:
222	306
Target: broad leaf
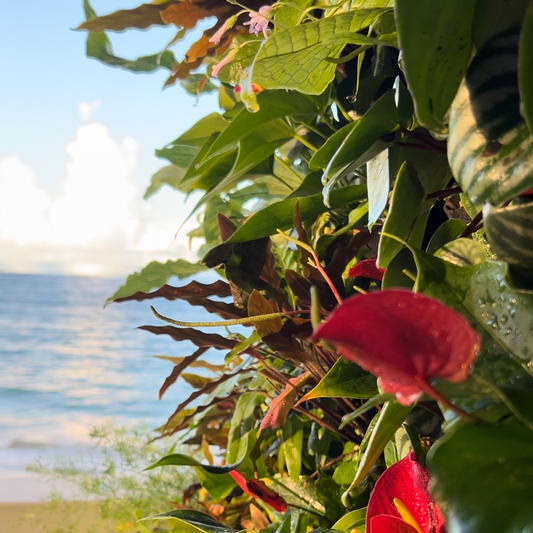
462	252
192	521
344	380
525	59
448	231
483	175
509	231
292	446
483	476
280	214
295	58
435	38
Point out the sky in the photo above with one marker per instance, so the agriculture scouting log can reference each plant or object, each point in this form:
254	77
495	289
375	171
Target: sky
77	142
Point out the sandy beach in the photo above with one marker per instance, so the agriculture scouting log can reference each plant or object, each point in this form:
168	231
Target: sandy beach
41	517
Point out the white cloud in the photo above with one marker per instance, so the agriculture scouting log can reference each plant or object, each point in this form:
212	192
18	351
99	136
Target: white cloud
97	225
86	110
23	205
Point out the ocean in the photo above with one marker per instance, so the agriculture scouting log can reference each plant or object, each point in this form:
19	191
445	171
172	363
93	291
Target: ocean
67	365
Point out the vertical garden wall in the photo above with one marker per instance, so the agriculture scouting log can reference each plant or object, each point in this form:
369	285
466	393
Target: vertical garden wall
367	204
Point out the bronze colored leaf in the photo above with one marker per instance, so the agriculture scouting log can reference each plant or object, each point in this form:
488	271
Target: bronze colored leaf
179	368
199	49
191	290
196	381
282	404
197	337
258	305
184	15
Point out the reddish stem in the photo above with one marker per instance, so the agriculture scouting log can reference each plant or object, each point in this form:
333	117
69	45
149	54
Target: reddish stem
471	228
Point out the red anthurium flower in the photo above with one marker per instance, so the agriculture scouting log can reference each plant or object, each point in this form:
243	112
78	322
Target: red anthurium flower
257	489
403	338
401	502
367	269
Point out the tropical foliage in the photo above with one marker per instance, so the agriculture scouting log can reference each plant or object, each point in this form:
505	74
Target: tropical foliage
363	146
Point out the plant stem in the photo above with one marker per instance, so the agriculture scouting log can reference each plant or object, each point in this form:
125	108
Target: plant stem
436	395
439	195
471	228
305	142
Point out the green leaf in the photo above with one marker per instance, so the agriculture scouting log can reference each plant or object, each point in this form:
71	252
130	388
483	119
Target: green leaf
351	520
509	231
525	59
154	276
380	119
435	38
344	380
462	252
192	521
447	231
178	459
390	418
280	214
483	175
292	446
321	158
274	105
294	58
502	317
169	175
483	477
241	437
378	185
99	47
406	205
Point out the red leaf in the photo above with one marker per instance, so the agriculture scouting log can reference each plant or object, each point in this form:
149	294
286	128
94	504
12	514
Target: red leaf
283	403
367	269
403	338
408	482
257	489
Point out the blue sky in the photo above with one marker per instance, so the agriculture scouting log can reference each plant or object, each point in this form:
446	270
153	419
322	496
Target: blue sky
47	147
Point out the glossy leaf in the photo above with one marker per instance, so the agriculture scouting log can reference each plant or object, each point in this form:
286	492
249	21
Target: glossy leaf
292	446
380	119
462	252
192	521
525	58
351	520
389	420
446	232
274	105
509	231
178	459
344	380
294	58
378	184
403	338
280	214
483	175
367	269
155	275
406	205
483	476
435	38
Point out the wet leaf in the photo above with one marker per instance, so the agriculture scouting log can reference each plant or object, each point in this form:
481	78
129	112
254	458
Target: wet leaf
482	478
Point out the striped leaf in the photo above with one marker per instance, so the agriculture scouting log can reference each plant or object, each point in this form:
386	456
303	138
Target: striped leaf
509	231
485	174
